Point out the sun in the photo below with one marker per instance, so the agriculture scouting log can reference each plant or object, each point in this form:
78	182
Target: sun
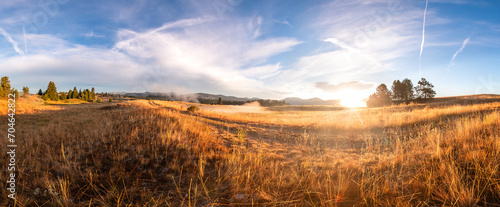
352	102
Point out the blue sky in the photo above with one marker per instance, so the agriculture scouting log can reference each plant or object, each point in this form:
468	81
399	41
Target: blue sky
268	49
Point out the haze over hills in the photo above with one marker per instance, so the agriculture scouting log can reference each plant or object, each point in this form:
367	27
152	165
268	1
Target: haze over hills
197	96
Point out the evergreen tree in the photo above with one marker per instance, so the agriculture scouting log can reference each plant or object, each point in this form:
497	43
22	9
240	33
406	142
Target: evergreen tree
80	94
75	93
424	89
409	93
4	87
397	90
220	101
381	97
40	92
92	94
70	94
86	95
403	90
26	91
16	94
63	96
51	92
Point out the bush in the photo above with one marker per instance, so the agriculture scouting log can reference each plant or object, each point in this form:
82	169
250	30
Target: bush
99	100
110	100
193	108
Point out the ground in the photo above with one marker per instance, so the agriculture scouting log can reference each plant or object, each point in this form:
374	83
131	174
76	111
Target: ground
156	153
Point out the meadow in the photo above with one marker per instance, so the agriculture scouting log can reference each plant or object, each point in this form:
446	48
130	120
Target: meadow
157	153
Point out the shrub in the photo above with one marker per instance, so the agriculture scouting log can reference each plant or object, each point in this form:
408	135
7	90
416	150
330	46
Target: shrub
99	100
193	108
110	100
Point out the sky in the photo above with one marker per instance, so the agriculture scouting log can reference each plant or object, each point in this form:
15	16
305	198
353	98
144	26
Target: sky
267	49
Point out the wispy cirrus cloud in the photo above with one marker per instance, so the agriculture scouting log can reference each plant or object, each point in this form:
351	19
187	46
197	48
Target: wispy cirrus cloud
423	39
452	61
11	41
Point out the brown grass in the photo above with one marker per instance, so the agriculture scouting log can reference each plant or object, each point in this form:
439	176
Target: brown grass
155	153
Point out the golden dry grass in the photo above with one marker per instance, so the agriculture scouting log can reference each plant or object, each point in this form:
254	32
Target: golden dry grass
155	153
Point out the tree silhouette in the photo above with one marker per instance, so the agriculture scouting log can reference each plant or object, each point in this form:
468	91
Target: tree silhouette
424	89
403	90
220	101
409	93
381	97
40	92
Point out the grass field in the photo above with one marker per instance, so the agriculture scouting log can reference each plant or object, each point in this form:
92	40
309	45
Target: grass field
156	153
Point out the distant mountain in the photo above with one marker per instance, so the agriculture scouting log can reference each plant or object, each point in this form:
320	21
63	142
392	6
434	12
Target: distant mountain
312	101
224	98
195	97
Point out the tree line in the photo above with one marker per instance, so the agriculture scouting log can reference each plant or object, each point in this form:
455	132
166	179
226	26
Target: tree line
52	94
401	92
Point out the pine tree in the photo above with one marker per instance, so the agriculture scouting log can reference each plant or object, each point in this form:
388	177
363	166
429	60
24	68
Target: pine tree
92	94
40	92
5	87
80	94
220	101
63	96
16	94
380	98
51	92
424	89
86	95
70	94
26	91
75	93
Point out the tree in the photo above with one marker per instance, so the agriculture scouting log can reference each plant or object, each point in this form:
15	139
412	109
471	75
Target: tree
40	92
16	94
92	94
409	93
4	87
26	91
87	95
51	93
381	97
424	89
75	93
99	100
110	100
220	101
397	90
63	96
403	90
